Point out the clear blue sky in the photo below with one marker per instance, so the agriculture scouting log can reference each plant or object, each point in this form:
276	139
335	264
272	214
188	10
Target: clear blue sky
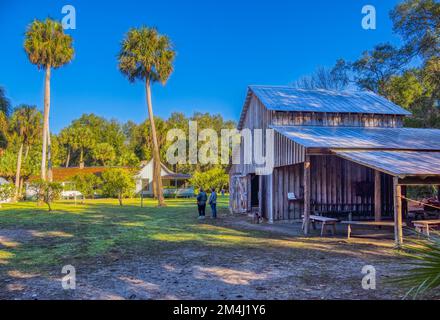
222	46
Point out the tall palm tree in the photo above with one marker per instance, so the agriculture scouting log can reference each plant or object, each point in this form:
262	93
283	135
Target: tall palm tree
47	46
148	56
26	125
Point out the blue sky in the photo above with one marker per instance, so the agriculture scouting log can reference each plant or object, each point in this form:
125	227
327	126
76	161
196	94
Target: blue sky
222	46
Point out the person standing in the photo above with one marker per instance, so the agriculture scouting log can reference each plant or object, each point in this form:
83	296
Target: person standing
213	203
201	203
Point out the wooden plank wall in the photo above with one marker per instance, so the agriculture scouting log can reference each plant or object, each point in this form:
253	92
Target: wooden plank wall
283	118
288	179
334	187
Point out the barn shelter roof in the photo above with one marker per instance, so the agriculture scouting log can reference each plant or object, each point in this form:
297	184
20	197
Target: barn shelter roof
397	163
363	137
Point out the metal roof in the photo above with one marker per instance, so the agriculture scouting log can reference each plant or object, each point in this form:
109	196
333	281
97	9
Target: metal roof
397	163
284	98
362	137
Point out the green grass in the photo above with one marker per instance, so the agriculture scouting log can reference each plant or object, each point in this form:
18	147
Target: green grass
101	229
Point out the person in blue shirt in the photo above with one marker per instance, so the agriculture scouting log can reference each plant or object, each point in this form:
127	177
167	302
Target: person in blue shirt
213	203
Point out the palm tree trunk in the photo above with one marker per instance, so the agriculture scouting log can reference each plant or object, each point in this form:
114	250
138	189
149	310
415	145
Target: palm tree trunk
45	122
49	156
68	158
17	174
156	156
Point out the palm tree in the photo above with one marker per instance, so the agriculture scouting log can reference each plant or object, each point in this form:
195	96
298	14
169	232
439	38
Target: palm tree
25	124
47	46
148	56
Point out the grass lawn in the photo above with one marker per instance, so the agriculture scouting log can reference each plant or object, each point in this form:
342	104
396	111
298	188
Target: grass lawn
131	252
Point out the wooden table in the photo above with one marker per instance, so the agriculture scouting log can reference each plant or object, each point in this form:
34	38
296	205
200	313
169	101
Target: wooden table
325	223
423	226
368	224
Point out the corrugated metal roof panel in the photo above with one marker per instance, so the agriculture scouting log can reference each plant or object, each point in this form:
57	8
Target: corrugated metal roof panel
398	163
284	98
362	137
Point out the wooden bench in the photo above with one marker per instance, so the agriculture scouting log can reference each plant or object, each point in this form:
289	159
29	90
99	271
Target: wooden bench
368	224
325	223
423	226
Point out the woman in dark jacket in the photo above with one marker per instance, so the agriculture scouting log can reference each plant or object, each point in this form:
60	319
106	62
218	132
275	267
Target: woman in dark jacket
201	203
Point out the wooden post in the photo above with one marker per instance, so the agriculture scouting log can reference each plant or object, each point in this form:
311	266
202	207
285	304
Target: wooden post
260	195
270	197
398	233
377	196
306	195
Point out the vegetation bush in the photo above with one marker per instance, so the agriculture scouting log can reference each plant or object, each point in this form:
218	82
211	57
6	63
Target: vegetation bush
7	191
47	192
214	178
118	183
87	184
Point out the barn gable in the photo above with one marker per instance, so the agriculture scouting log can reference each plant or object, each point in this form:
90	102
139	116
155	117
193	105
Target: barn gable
292	106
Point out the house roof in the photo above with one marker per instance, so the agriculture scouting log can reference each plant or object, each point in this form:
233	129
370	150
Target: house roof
61	174
362	137
285	98
166	173
397	163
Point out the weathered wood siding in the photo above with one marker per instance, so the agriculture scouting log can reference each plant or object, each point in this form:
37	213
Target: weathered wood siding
280	118
337	187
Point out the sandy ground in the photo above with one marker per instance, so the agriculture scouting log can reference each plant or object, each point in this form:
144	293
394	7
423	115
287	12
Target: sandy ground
294	268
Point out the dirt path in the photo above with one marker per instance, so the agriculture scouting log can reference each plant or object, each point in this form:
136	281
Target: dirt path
287	268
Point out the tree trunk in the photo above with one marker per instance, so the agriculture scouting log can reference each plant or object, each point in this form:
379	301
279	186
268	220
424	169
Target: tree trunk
120	199
45	122
68	158
156	156
20	189
17	174
49	156
81	159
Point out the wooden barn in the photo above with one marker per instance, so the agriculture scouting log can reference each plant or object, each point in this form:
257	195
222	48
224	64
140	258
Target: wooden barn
336	154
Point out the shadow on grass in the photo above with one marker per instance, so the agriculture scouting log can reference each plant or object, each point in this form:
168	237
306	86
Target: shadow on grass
34	241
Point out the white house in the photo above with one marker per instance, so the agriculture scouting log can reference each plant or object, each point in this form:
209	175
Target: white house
174	184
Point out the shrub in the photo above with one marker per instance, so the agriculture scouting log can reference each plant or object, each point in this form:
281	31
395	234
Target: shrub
425	258
118	183
47	191
87	184
214	178
7	191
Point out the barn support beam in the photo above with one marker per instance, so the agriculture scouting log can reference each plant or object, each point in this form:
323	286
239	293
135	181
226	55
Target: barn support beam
398	232
260	195
377	196
270	197
306	223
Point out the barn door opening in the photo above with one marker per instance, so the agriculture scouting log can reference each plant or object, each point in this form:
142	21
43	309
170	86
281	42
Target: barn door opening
255	188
